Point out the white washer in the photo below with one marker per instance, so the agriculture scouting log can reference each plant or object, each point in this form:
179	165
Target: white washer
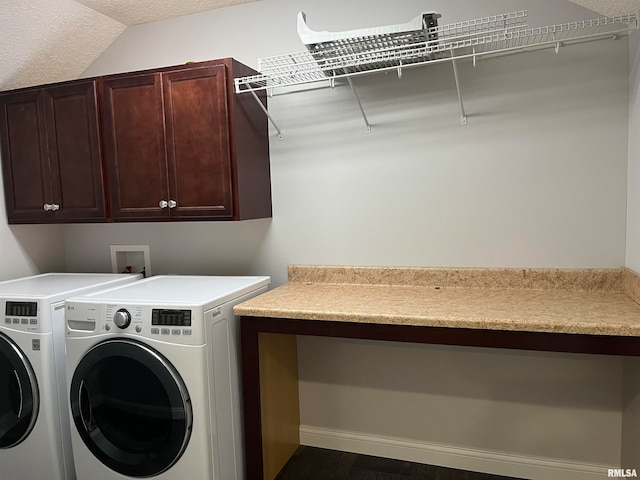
34	421
153	379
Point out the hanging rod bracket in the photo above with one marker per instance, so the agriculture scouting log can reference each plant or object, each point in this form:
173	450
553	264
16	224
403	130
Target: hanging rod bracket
355	95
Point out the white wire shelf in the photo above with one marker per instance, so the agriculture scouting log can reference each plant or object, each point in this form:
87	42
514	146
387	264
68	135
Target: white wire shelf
330	56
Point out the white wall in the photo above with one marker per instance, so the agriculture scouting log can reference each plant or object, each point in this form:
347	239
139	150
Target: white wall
202	248
633	179
537	178
535	406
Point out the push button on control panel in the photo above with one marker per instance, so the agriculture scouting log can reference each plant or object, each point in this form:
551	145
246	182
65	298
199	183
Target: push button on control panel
168	331
20	321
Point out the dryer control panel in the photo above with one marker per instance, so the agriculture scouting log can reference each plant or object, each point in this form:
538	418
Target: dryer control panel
174	318
20	315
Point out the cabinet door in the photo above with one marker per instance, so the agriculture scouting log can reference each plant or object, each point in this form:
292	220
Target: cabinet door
25	163
197	132
133	133
74	152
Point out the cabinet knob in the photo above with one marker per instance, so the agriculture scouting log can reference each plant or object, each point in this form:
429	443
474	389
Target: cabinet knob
173	204
51	207
163	204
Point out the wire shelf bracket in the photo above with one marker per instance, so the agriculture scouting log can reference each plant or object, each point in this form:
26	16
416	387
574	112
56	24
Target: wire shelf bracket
357	98
266	112
463	116
337	55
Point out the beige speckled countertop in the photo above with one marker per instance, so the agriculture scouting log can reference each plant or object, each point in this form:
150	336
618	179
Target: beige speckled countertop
589	301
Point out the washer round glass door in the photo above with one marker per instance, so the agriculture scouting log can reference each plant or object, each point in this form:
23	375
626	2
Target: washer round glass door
131	408
19	399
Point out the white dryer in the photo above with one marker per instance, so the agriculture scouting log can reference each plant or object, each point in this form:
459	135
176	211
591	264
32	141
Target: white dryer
153	379
35	441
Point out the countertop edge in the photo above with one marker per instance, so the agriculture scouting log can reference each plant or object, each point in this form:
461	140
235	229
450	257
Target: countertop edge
597	301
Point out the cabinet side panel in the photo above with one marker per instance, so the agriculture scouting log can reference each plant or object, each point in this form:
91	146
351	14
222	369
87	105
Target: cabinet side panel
24	159
74	147
251	141
198	142
133	132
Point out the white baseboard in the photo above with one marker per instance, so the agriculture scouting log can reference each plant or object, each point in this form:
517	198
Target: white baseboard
496	463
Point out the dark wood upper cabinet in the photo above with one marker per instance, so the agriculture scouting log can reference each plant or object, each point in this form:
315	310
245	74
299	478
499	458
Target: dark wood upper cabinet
174	143
51	157
198	142
134	145
180	145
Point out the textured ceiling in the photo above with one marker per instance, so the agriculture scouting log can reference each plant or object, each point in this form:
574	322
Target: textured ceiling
45	41
610	8
133	12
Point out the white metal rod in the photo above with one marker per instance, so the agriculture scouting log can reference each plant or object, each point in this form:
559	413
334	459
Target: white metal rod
463	117
355	94
273	122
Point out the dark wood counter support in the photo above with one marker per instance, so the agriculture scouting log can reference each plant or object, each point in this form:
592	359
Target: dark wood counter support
259	449
279	406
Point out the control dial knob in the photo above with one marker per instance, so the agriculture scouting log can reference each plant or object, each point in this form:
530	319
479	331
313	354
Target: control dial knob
122	318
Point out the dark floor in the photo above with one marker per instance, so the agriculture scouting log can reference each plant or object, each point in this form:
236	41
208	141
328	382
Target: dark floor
310	463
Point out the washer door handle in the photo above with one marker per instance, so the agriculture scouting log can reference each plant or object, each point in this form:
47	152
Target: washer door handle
85	408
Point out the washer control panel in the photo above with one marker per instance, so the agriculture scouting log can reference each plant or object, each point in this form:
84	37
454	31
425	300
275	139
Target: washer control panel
122	318
176	325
